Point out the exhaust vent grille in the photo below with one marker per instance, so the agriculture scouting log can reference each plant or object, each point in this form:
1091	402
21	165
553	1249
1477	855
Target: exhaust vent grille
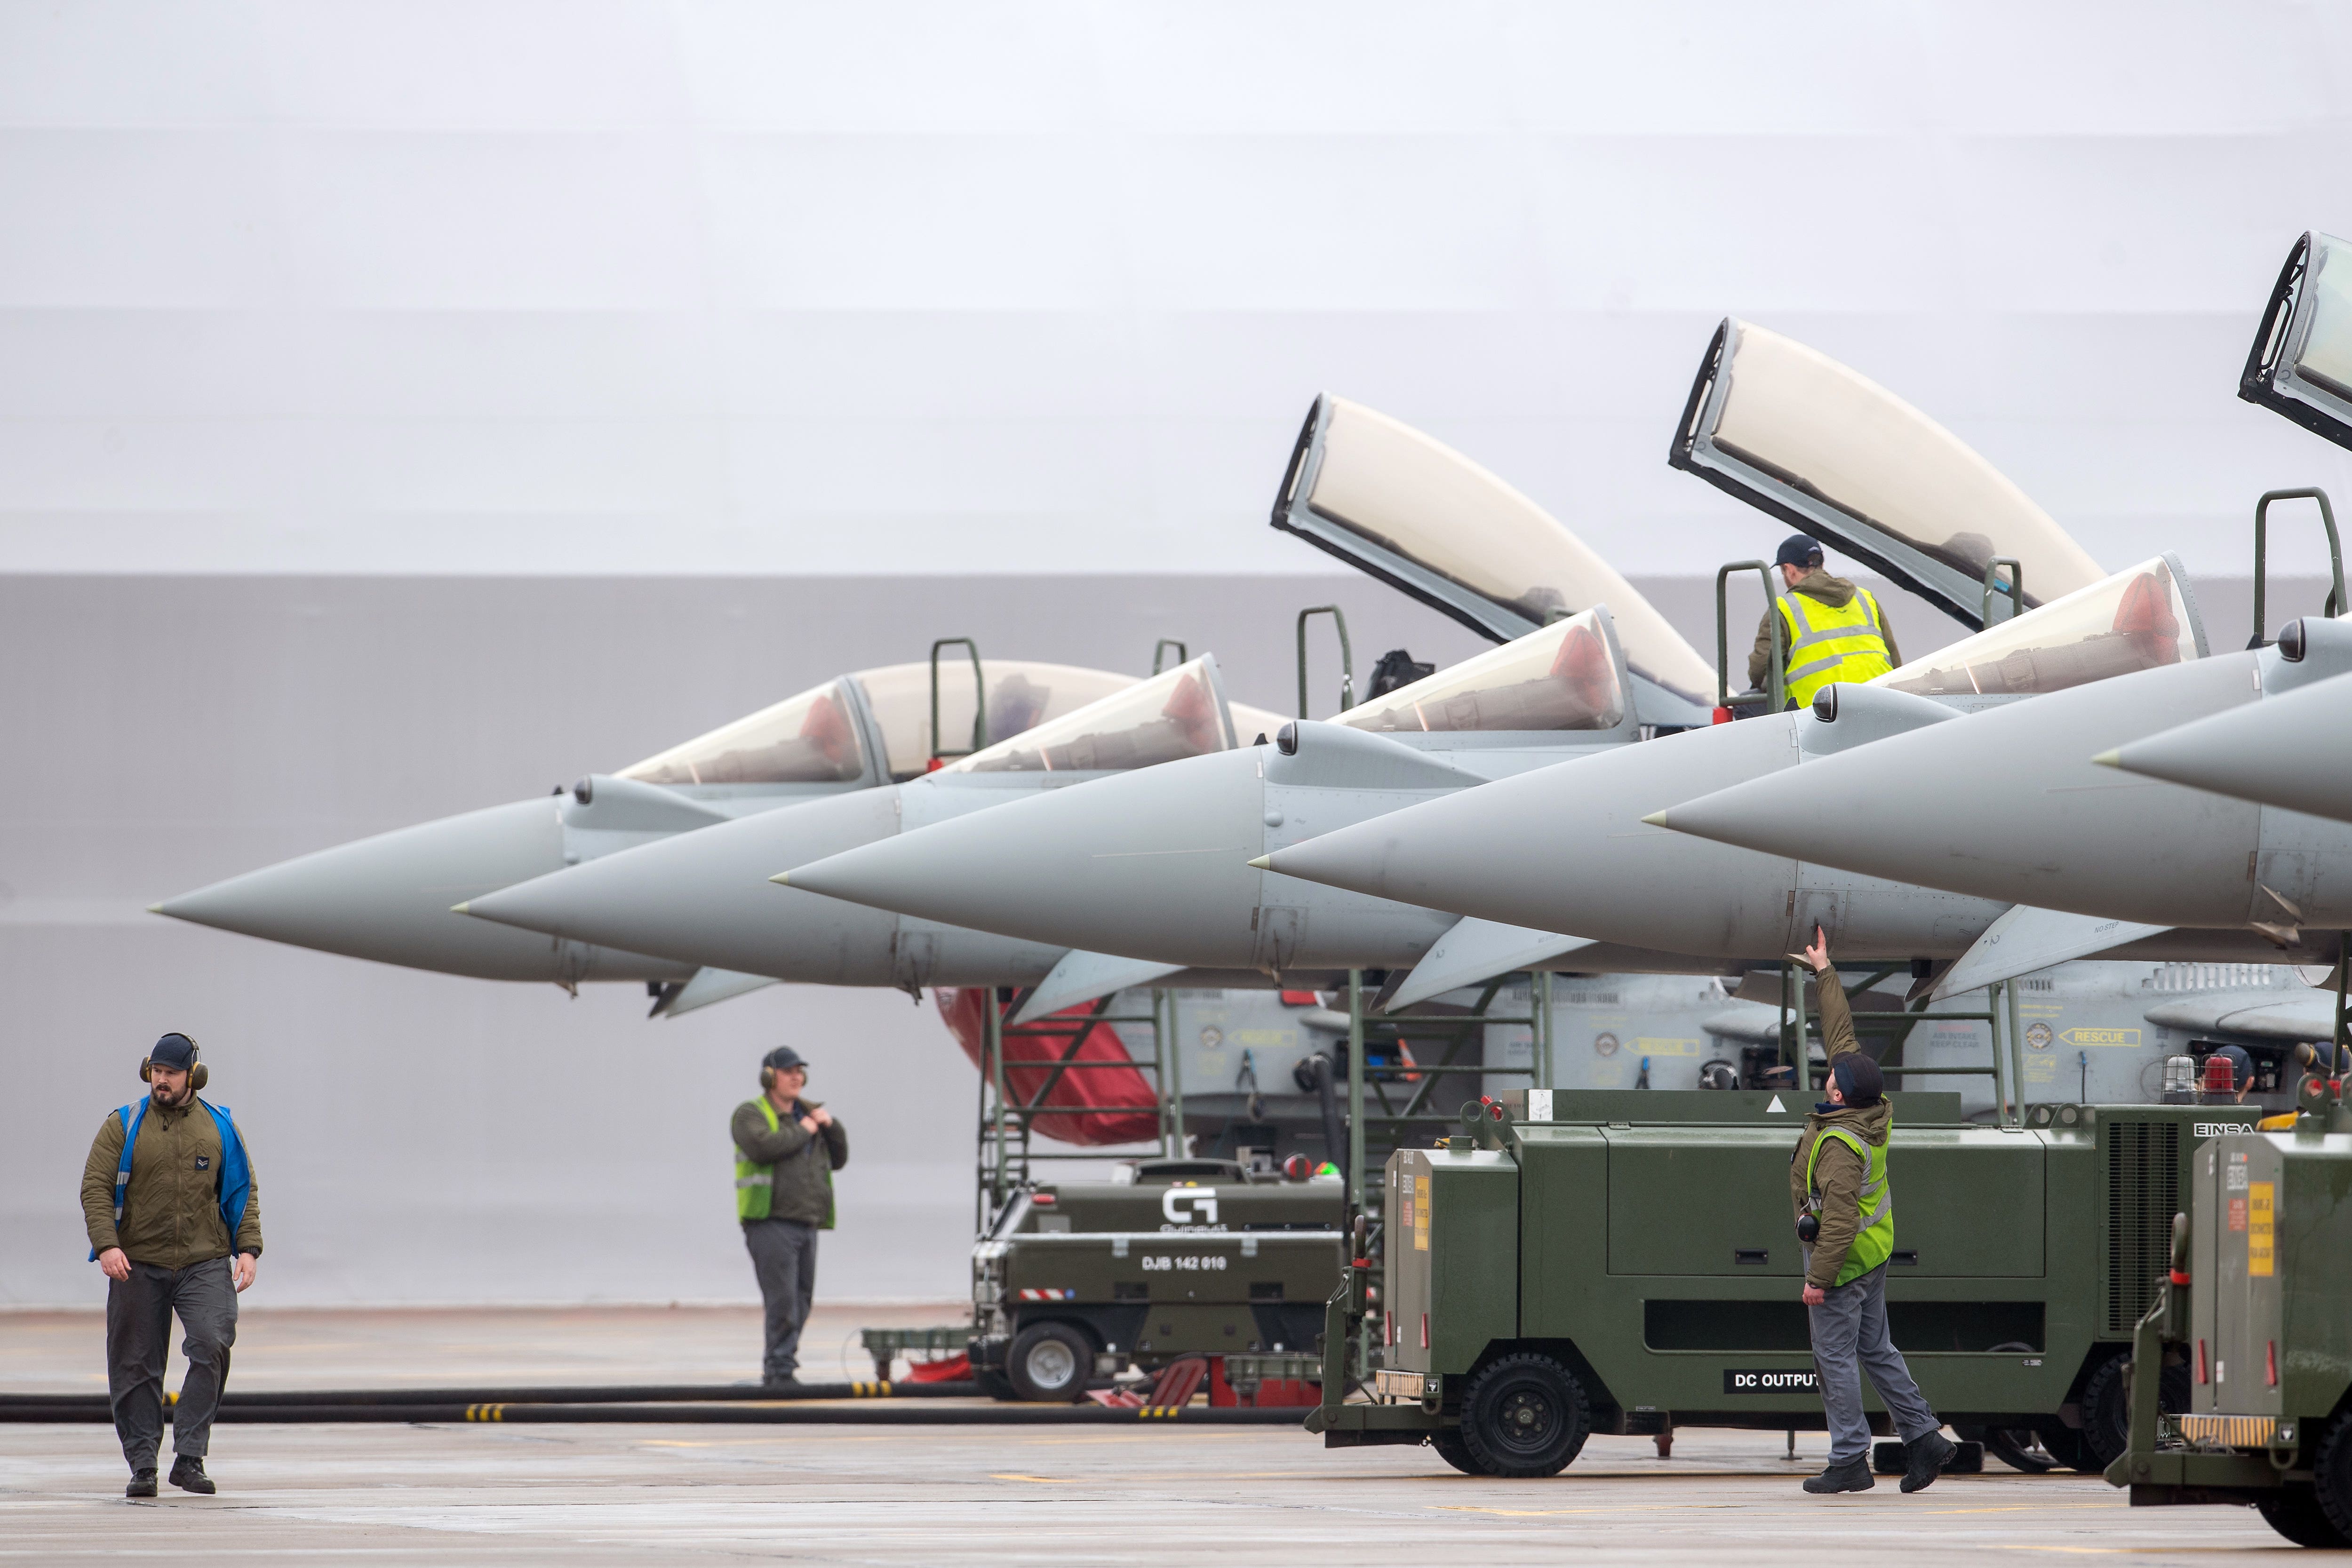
2143	1195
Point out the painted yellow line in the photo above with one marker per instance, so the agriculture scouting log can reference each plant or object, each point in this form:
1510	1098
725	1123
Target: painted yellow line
1041	1480
1550	1512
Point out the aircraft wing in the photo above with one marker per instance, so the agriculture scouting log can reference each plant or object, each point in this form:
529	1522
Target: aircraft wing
2263	1014
2026	939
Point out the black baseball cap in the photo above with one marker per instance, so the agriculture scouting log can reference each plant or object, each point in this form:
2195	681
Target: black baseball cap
1798	549
783	1059
1859	1079
174	1051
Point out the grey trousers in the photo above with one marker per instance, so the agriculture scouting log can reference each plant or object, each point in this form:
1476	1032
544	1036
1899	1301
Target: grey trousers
139	1335
784	1255
1850	1340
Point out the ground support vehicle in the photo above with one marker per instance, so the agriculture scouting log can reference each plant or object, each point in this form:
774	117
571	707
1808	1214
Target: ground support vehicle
2253	1312
1626	1262
1077	1281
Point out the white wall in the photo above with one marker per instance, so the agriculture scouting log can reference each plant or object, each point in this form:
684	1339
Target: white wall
525	286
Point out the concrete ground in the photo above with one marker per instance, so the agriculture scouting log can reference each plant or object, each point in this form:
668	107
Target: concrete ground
399	1494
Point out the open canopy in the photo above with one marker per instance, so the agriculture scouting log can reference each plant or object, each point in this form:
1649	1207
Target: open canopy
2301	363
1791	430
2141	617
1557	677
1421	516
1180	713
816	736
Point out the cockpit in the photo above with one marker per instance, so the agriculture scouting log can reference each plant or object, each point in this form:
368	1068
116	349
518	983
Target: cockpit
817	736
1180	713
2140	618
1557	677
1419	514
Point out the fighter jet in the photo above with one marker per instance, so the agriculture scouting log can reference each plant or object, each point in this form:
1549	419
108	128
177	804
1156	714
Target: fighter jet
2010	805
388	897
704	898
1145	864
1567	848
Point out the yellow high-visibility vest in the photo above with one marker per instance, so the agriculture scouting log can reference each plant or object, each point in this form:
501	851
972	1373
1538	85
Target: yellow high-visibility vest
1825	644
1874	1242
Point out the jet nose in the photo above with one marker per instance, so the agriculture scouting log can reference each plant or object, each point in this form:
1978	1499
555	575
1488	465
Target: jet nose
1147	865
704	897
387	898
1563	848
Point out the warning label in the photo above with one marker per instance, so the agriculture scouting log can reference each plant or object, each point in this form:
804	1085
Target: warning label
1777	1382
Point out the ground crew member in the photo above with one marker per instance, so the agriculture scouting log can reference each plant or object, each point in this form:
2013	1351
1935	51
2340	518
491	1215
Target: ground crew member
786	1150
1839	1181
1830	631
168	1195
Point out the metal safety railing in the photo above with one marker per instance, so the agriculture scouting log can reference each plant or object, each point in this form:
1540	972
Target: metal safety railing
1008	1120
939	753
1347	656
1774	696
2336	597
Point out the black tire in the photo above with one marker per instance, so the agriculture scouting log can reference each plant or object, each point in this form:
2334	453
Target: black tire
2294	1512
2106	1408
2066	1445
2331	1478
1455	1451
1525	1416
2021	1448
1049	1363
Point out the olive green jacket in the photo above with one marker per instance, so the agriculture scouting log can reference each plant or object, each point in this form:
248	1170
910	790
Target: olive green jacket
1840	1172
801	1159
170	1210
1835	592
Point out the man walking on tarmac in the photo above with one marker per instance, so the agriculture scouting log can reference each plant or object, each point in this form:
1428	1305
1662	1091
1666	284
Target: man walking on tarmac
168	1195
1845	1214
786	1150
1830	631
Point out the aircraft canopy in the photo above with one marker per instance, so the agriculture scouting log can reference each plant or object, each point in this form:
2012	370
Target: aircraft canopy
1562	676
2141	617
1788	429
1021	692
1178	713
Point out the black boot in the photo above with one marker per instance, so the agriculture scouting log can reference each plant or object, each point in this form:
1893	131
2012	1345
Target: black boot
188	1475
1924	1460
142	1483
1851	1476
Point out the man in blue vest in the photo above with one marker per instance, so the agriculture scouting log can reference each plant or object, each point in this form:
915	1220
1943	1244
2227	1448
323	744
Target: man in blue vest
1844	1199
786	1150
175	1219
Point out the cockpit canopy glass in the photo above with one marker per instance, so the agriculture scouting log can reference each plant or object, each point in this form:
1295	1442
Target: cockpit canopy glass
2325	354
1558	677
811	738
1180	713
2137	619
1810	439
2301	364
1389	483
1021	694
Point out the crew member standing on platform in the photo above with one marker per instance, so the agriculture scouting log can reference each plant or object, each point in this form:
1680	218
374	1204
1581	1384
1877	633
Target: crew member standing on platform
175	1219
1830	631
1845	1215
786	1150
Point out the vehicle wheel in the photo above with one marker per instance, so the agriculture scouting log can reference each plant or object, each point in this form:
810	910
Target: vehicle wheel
2106	1408
2331	1478
1455	1451
2294	1512
2020	1448
2066	1445
1524	1416
1049	1362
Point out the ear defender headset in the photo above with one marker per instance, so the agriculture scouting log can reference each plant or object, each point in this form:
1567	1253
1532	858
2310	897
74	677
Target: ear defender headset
770	1065
197	1073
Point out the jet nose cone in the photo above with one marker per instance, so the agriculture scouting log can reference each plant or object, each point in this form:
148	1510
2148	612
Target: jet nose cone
388	897
1148	864
704	897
